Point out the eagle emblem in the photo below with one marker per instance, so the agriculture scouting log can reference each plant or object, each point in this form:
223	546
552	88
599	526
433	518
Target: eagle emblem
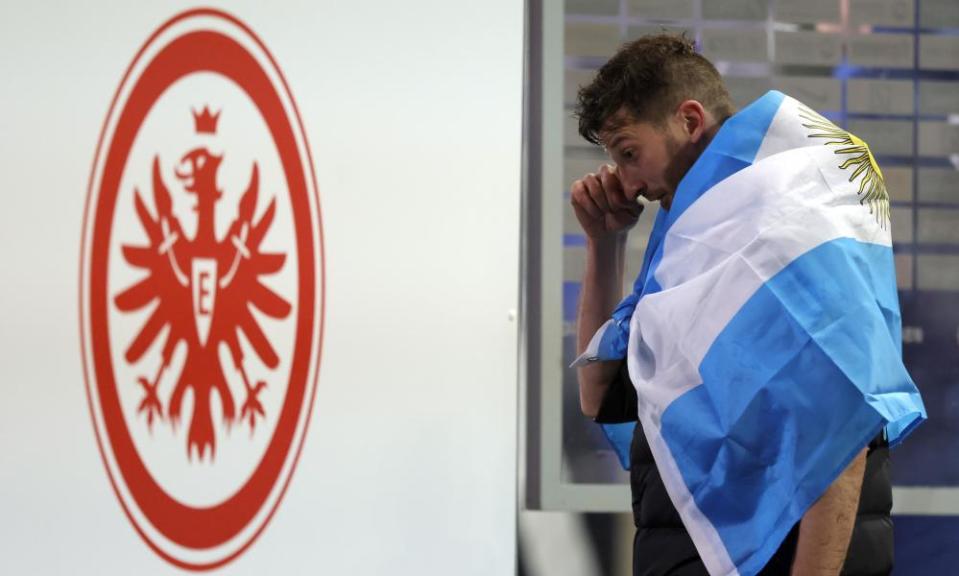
202	289
191	279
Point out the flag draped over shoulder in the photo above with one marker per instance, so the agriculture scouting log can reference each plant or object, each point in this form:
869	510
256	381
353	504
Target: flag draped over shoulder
763	334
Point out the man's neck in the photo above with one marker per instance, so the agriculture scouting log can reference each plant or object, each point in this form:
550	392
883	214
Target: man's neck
711	132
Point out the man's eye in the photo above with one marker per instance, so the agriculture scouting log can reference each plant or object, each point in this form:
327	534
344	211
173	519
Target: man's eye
628	154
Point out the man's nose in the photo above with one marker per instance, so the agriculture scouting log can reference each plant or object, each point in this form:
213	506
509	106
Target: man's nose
632	187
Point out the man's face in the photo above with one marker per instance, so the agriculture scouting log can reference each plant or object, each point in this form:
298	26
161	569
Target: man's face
650	159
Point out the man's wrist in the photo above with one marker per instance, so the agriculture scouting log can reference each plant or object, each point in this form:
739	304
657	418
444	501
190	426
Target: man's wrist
607	243
604	257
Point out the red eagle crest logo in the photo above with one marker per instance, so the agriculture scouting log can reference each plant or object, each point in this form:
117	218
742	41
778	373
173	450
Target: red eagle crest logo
193	277
201	289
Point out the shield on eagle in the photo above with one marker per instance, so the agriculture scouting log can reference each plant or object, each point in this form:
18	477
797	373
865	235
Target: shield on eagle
203	282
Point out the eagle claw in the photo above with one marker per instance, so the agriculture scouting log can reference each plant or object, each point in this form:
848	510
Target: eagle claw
150	403
252	405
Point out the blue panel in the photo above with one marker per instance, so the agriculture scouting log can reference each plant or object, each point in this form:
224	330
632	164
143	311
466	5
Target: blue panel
931	458
926	545
570	300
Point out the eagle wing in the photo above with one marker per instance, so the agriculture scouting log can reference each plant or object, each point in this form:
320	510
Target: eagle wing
164	281
241	287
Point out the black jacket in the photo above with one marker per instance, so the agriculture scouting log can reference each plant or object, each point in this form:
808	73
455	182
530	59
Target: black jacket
663	547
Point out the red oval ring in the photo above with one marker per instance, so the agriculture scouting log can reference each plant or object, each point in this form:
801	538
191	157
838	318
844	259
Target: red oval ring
192	52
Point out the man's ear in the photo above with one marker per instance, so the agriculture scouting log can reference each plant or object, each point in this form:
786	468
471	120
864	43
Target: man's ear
692	117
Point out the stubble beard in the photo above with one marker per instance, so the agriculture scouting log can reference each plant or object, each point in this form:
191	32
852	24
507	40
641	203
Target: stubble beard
681	160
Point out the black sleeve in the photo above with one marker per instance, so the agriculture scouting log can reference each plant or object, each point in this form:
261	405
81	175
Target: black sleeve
619	402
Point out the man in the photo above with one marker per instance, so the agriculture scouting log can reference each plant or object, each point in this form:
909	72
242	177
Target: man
655	107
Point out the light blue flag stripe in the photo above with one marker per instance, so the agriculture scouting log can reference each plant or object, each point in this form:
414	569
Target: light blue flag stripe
799	356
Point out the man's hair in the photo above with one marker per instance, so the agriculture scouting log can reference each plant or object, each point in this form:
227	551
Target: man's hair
647	79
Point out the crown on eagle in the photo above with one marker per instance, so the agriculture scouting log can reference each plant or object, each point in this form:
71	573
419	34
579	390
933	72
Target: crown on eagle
205	121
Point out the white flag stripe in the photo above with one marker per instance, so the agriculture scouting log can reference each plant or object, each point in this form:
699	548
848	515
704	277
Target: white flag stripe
782	134
773	230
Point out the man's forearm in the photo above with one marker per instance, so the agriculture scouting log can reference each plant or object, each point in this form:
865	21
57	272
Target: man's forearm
601	291
826	528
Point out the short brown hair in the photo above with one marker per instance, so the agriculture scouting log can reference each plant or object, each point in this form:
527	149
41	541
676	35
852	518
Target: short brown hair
648	78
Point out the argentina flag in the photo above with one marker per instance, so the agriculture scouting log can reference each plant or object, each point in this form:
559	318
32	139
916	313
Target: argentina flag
763	333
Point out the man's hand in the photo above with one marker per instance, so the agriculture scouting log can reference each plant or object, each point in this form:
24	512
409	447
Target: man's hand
606	213
602	207
826	528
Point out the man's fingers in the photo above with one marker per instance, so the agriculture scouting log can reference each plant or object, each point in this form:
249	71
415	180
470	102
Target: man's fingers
582	201
596	192
582	214
600	201
623	219
635	208
614	188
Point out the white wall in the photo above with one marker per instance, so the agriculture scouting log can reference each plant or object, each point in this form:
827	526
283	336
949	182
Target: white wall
413	113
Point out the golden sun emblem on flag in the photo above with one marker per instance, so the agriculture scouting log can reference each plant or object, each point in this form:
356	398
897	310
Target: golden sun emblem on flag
872	188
